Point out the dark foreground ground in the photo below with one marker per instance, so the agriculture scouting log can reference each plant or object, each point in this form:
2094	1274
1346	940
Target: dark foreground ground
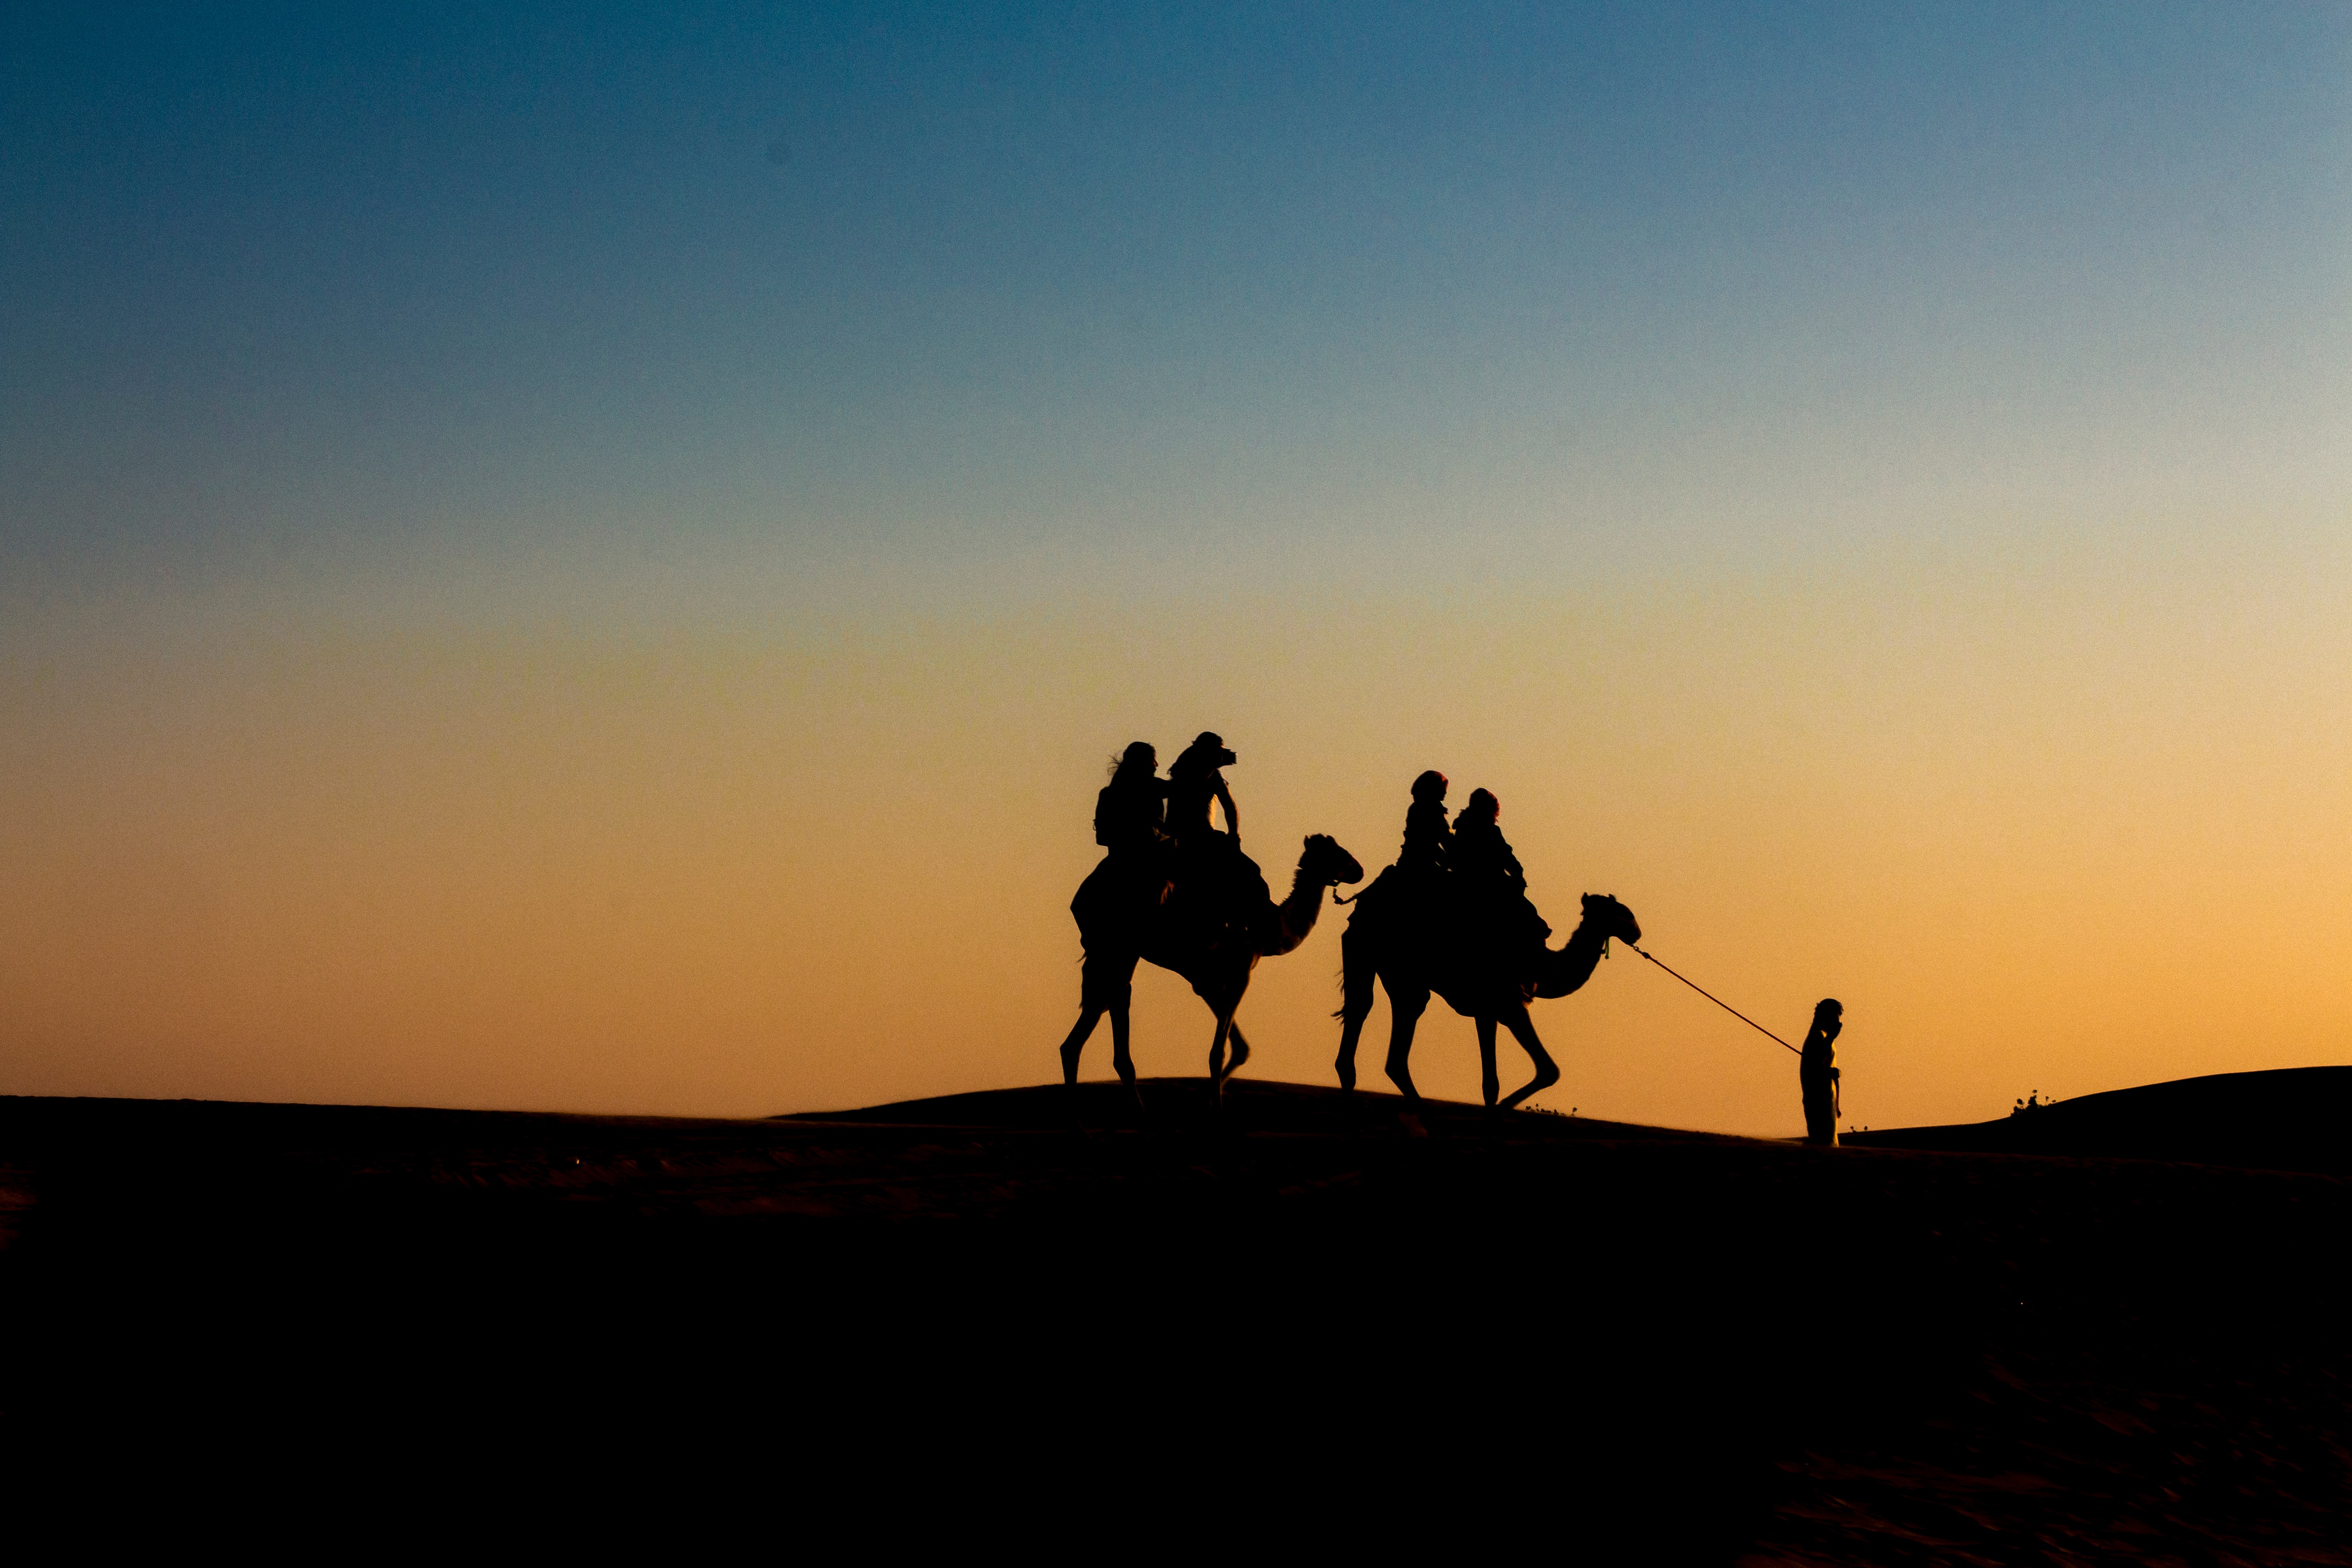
1036	1319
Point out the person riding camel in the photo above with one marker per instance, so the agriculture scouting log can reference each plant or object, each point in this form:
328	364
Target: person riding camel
1208	863
1193	781
1427	839
1129	808
1128	814
1488	879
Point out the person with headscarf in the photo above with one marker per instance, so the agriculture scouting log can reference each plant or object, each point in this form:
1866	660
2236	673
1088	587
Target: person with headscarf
1194	779
1212	874
1488	882
1817	1073
1427	839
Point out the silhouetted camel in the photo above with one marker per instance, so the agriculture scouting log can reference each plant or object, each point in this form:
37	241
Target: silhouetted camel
1387	936
1216	955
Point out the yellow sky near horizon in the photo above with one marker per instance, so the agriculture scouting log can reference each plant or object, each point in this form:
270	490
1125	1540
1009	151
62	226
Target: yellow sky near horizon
2044	820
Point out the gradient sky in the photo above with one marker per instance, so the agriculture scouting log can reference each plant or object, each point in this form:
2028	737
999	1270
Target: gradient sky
575	561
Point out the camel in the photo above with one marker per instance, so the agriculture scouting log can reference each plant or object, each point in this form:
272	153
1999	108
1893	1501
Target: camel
1217	956
1386	937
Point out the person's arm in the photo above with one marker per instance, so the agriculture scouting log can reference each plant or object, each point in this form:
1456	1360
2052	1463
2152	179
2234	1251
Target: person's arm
1232	817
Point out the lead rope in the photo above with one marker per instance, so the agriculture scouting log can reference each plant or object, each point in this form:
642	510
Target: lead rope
1722	1003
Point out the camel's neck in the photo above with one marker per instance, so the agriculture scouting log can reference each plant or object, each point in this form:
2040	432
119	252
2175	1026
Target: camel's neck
1573	963
1588	937
1300	910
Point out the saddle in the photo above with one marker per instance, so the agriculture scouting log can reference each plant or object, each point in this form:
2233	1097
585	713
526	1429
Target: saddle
1209	893
1219	894
1474	925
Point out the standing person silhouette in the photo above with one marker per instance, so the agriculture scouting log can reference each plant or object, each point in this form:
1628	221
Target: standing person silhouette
1817	1073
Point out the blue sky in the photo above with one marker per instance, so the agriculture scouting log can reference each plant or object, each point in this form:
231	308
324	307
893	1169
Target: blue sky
283	282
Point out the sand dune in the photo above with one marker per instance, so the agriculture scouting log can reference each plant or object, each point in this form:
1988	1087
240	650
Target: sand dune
2293	1119
1628	1343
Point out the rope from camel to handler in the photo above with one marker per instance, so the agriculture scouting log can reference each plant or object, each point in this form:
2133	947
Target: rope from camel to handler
1722	1003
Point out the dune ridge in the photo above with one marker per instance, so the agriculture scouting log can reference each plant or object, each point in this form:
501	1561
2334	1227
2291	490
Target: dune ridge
2287	1118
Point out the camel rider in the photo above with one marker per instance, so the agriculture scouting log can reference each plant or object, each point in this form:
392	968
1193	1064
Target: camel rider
1488	881
1126	822
1193	781
1427	839
1480	850
1128	809
1208	863
1817	1072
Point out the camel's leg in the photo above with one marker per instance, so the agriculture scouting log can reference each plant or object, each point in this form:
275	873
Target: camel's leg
1120	1060
1104	985
1523	1029
1075	1041
1241	1048
1217	1056
1490	1083
1356	969
1406	1005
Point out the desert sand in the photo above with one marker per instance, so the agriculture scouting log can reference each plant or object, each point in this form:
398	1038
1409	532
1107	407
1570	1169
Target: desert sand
1316	1318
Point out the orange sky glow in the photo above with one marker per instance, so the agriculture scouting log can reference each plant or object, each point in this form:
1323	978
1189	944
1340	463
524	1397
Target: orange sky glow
531	578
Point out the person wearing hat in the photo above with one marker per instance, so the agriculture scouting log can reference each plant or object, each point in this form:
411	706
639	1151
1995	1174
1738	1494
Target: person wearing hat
1817	1073
1193	781
1208	863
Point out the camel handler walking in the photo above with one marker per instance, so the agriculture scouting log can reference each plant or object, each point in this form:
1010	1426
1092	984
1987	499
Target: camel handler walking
1817	1073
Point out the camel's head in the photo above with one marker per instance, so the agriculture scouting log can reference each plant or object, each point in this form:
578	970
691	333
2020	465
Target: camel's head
1613	917
1324	861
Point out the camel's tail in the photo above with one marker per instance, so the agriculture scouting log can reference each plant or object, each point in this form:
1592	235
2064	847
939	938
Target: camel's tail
1356	972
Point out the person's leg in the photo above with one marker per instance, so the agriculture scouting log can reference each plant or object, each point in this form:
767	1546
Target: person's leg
1122	1061
1105	982
1821	1121
1075	1042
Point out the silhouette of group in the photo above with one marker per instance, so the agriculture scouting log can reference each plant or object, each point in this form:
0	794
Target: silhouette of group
1450	918
1158	834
